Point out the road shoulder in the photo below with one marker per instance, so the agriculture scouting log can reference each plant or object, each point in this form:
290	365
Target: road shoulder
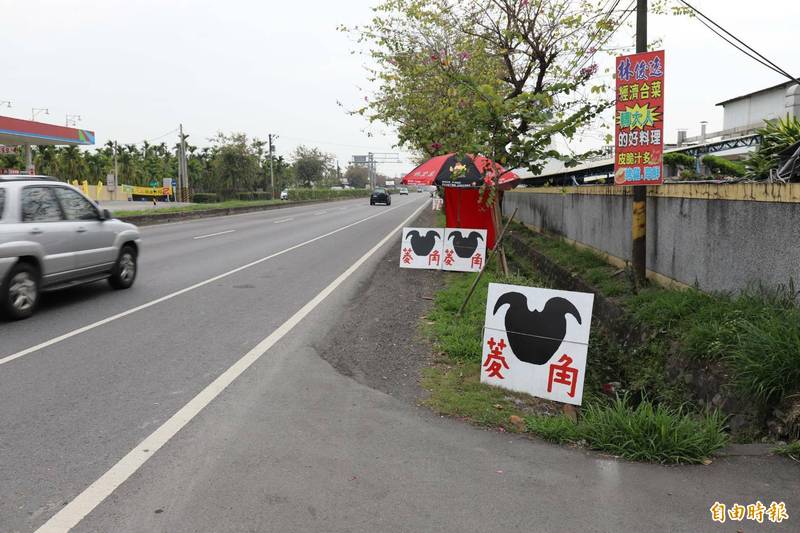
377	340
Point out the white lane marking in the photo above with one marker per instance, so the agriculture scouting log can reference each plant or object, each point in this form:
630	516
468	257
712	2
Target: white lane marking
282	220
213	234
318	213
83	504
280	211
123	314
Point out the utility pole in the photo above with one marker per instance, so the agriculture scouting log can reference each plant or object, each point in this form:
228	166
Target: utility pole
371	170
271	169
183	168
639	220
116	170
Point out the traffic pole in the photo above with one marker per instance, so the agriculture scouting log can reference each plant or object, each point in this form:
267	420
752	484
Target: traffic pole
639	219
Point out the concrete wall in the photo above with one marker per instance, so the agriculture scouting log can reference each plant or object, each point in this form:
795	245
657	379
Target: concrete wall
718	237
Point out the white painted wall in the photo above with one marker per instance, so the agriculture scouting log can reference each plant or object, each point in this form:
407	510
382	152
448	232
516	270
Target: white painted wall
755	109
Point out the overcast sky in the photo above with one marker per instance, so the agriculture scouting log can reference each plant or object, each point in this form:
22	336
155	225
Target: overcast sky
134	69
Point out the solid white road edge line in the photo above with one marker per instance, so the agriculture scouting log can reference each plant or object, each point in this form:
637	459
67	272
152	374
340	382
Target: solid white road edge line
213	234
76	510
123	314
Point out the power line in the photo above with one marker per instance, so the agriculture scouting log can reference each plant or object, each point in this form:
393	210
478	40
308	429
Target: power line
764	60
622	22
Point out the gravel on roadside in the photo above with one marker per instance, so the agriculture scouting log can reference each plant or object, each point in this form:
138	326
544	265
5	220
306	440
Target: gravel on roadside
378	341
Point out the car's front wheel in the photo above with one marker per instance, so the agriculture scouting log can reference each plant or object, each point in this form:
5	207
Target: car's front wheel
20	291
124	272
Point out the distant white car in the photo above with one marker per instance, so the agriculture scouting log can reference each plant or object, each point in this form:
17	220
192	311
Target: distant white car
285	194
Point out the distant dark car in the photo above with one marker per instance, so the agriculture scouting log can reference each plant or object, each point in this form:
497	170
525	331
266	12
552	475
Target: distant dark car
380	196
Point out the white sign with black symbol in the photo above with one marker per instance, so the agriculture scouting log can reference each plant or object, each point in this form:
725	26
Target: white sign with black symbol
421	248
535	341
464	249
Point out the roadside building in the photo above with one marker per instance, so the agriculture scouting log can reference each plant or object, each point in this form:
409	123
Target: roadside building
742	117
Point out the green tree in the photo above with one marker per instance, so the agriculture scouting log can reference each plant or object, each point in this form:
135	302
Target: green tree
357	176
504	78
311	165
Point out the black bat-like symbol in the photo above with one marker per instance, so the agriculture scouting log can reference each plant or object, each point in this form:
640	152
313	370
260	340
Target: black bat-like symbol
465	246
534	336
422	245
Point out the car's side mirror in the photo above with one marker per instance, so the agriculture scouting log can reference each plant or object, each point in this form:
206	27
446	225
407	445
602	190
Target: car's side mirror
105	214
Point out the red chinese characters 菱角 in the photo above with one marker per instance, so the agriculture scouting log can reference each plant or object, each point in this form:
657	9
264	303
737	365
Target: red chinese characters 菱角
495	361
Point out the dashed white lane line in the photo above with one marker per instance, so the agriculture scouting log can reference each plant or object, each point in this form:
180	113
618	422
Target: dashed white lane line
318	213
76	510
282	220
214	234
84	329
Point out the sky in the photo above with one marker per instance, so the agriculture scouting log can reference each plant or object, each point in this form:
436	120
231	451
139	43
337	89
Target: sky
135	69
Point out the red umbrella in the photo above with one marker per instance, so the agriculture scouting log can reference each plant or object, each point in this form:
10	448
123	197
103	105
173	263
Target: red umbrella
439	171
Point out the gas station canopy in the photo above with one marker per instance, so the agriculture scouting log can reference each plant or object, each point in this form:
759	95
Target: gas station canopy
16	132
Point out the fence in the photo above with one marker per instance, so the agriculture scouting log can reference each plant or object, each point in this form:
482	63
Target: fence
715	237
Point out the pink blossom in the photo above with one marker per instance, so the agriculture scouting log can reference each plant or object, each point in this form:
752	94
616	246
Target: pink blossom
589	71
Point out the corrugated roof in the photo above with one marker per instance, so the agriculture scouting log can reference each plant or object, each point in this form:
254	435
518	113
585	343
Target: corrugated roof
784	84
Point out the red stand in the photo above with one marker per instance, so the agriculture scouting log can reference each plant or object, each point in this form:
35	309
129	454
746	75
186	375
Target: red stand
463	210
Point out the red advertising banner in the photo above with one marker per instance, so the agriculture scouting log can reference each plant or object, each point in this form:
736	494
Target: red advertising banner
639	118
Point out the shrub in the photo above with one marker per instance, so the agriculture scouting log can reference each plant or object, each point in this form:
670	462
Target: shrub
723	167
245	196
764	354
650	432
262	195
679	159
205	197
646	432
776	136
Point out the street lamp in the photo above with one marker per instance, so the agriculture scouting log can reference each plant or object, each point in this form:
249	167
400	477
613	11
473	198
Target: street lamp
36	110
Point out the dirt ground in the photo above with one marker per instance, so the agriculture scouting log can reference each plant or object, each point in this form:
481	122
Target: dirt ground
378	341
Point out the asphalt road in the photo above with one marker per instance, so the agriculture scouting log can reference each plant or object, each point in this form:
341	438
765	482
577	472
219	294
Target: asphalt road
136	408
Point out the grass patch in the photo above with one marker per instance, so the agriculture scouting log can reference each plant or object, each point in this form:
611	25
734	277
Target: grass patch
754	335
791	450
456	391
644	432
197	207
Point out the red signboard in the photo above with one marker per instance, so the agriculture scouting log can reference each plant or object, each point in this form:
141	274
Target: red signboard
639	119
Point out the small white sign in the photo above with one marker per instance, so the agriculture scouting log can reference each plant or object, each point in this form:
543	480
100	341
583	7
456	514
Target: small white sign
421	248
464	249
535	341
111	182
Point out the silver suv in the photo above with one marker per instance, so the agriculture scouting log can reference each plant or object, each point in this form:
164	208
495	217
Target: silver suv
53	237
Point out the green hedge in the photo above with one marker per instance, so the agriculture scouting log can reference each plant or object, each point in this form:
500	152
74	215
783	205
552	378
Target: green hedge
723	167
326	194
205	198
253	195
679	159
